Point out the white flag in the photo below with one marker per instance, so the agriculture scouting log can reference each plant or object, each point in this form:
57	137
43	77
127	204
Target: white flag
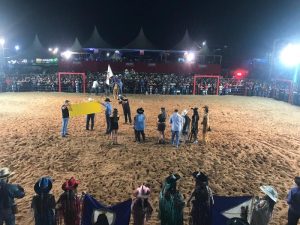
109	74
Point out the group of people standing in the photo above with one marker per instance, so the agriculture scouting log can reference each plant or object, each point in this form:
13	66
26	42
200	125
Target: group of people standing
184	129
67	209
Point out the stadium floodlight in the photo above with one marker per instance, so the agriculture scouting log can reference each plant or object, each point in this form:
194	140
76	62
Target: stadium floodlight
2	42
50	49
17	47
55	51
204	43
290	55
190	56
117	52
67	54
107	54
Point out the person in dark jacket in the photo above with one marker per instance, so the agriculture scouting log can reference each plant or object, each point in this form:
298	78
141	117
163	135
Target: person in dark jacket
293	200
65	118
194	128
161	125
186	125
114	121
43	203
126	108
8	193
202	200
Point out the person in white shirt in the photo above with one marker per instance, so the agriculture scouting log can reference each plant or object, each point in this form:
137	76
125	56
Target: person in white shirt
176	122
95	87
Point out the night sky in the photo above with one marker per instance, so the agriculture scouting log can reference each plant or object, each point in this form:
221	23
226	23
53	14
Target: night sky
248	27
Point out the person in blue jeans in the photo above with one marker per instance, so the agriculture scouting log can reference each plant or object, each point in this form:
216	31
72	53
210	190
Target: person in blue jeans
108	111
65	118
293	200
8	193
176	122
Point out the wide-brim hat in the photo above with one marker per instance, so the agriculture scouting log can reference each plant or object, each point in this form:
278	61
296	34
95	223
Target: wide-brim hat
90	99
195	108
70	184
200	177
297	180
5	173
184	112
270	191
142	192
107	100
43	185
173	178
140	110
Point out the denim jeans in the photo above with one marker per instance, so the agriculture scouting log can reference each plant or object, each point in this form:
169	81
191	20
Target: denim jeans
7	217
90	117
107	118
175	134
293	217
64	129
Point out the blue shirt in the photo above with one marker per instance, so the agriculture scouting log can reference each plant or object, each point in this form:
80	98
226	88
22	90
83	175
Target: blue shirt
176	122
293	199
13	191
108	108
139	123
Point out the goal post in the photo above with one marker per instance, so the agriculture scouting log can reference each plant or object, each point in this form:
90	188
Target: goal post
206	76
60	74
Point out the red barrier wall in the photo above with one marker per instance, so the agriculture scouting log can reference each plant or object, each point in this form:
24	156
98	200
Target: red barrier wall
140	67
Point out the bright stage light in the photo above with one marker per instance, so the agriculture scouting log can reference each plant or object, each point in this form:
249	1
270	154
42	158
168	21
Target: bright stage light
17	47
55	51
67	54
50	49
203	43
190	56
290	55
2	41
107	54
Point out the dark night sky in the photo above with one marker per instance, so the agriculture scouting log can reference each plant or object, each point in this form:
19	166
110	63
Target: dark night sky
247	26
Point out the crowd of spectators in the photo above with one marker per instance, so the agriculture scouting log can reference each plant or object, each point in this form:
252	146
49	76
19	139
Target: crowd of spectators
152	83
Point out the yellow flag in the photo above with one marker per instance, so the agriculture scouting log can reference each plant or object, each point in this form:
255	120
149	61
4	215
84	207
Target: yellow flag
84	108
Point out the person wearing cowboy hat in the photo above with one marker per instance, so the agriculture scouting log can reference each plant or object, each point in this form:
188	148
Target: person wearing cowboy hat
171	202
141	207
186	125
65	118
108	111
8	193
202	200
293	200
161	125
263	208
194	128
205	124
43	203
126	108
68	205
139	125
176	122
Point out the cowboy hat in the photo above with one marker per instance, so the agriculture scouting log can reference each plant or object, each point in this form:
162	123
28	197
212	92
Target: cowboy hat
184	112
107	100
270	191
140	110
173	178
142	192
90	99
5	172
70	184
200	177
43	185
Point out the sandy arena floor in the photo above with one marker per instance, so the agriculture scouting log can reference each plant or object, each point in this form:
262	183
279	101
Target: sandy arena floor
254	141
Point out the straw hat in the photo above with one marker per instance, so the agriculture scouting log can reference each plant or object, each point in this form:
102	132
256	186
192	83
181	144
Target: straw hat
270	191
184	112
5	173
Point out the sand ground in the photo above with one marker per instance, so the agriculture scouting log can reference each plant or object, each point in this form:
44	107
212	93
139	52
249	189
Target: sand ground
254	141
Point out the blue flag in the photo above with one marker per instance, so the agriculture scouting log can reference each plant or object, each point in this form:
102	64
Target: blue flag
225	208
94	211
